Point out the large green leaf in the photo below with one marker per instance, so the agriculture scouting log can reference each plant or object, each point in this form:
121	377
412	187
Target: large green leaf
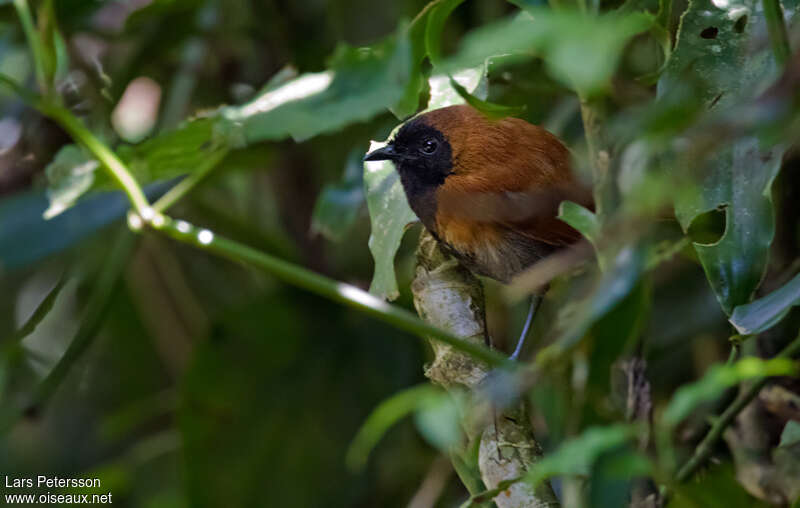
360	83
764	313
579	50
389	212
714	51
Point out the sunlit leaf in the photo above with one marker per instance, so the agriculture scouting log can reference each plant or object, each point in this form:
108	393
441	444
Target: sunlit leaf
767	311
360	83
718	379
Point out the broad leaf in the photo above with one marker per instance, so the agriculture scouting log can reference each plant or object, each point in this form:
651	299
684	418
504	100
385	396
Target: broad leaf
579	50
358	86
714	51
766	312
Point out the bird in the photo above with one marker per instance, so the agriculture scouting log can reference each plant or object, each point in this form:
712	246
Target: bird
488	190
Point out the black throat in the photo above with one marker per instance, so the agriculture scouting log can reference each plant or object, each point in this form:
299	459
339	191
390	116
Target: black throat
422	174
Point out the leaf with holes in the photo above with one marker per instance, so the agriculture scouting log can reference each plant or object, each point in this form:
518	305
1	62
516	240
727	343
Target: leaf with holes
715	53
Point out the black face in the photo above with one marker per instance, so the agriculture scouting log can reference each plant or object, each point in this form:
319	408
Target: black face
421	154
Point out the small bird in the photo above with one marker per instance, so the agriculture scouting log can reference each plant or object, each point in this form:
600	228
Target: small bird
487	190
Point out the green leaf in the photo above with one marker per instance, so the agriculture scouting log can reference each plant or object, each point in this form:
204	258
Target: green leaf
337	207
388	207
360	84
433	30
578	455
579	50
716	488
791	434
69	176
575	319
715	51
489	109
718	379
438	419
583	220
766	312
389	412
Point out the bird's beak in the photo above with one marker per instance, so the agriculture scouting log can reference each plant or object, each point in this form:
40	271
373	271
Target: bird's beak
386	153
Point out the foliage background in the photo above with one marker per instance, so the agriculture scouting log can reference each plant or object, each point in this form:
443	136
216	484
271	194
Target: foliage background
210	383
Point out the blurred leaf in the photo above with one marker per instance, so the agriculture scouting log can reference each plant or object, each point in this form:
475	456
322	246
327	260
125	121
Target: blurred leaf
791	434
613	286
612	475
389	412
715	50
69	176
718	379
337	207
577	455
767	311
716	488
579	50
25	237
433	30
54	49
489	109
388	207
438	419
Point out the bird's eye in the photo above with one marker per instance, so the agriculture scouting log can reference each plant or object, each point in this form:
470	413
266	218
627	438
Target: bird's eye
429	146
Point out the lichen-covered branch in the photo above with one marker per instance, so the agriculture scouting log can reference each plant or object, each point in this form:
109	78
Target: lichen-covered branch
448	296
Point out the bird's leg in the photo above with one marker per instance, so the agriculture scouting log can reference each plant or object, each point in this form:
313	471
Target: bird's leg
536	299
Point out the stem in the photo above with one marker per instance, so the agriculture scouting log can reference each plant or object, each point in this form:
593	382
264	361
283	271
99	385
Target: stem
703	451
598	154
778	38
190	182
346	294
96	308
115	167
26	19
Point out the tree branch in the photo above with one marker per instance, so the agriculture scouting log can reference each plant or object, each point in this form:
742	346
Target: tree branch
448	296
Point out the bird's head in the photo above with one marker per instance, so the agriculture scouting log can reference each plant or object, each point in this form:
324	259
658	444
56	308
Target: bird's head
420	151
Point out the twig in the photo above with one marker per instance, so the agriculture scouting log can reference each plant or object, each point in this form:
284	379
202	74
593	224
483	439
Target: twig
34	42
319	284
706	446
